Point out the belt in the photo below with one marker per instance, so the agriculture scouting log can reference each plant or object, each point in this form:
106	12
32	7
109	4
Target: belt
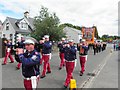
30	78
70	61
46	54
83	55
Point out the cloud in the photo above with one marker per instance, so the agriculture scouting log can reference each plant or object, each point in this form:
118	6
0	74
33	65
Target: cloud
78	12
2	17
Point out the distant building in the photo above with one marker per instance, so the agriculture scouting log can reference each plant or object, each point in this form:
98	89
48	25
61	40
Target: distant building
13	26
72	33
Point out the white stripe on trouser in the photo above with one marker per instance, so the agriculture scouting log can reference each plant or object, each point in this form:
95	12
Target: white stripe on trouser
86	57
50	55
34	82
75	62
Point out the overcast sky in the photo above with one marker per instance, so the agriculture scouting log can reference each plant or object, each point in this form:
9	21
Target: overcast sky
101	13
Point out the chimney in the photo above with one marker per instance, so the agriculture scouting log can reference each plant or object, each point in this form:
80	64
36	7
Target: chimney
26	14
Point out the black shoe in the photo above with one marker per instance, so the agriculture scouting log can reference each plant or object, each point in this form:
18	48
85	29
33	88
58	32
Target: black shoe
93	74
11	62
65	86
81	74
42	76
3	64
17	68
60	68
48	72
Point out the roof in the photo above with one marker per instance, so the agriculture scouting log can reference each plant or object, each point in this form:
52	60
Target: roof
23	31
14	23
0	22
31	21
0	26
75	30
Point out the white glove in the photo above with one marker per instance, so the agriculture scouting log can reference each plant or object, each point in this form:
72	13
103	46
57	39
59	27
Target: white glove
68	45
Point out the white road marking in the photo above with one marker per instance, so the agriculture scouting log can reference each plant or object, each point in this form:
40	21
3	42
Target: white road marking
88	83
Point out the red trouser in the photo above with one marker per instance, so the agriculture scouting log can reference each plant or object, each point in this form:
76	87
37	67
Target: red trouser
82	63
62	59
69	70
8	54
28	84
19	65
46	64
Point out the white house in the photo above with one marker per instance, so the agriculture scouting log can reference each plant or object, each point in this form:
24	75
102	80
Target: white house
72	33
12	26
0	28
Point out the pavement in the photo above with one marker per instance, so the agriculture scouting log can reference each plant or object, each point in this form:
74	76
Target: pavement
102	64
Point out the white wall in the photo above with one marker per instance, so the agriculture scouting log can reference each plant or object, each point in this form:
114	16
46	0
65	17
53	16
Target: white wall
72	34
0	30
0	34
25	24
8	32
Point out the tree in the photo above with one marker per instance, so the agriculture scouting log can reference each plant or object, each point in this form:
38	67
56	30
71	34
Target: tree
105	36
96	33
47	24
70	25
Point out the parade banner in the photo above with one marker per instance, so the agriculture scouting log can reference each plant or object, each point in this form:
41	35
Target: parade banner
88	34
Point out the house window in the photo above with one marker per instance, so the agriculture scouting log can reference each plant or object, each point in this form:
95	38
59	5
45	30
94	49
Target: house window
7	26
24	26
3	35
11	37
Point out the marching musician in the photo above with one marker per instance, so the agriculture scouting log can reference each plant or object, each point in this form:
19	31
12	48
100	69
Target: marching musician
61	53
30	64
70	56
46	55
19	45
9	46
83	52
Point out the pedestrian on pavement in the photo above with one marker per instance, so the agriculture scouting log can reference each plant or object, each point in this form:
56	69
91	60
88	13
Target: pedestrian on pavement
114	46
70	56
8	48
83	52
30	64
46	51
61	53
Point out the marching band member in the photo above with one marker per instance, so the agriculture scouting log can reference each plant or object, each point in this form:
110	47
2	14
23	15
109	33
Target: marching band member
46	51
70	56
30	64
61	53
40	45
9	46
19	45
83	52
